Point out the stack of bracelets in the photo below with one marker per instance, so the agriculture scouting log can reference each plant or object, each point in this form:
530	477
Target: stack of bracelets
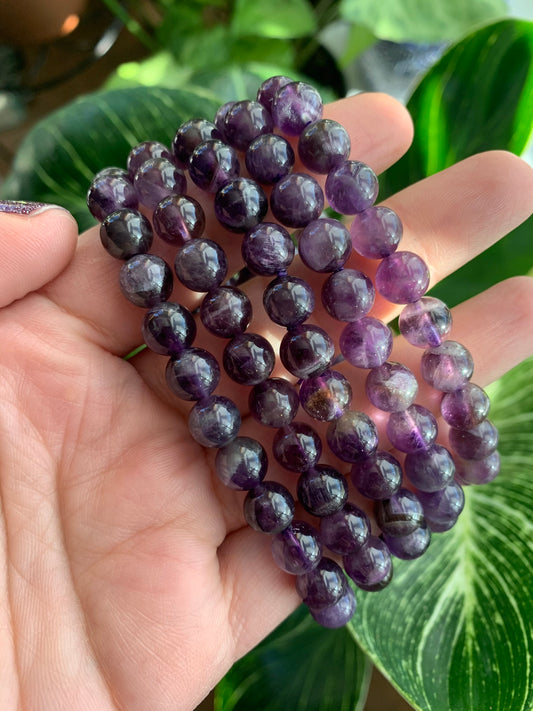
212	153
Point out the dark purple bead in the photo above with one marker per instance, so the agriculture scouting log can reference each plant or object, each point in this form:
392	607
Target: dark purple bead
425	322
248	358
366	343
242	464
391	387
178	219
274	402
156	179
475	443
296	105
411	546
288	300
189	135
430	469
378	476
297	200
168	328
269	88
125	233
145	280
478	471
297	549
192	375
244	121
322	490
109	192
214	421
269	158
376	232
402	277
143	152
269	507
465	408
336	615
240	204
220	117
348	295
447	367
400	514
267	249
370	567
324	245
412	429
346	530
322	586
326	396
226	311
201	265
351	187
435	527
353	436
297	447
323	145
212	164
306	351
444	505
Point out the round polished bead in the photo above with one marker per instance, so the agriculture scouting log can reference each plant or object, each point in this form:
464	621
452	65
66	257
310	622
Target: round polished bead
326	396
274	402
267	249
296	105
324	245
143	152
370	567
269	158
478	471
240	204
378	476
447	367
269	88
288	301
366	343
444	505
297	549
212	164
220	117
145	280
475	443
242	464
425	322
214	421
400	514
269	507
244	121
337	615
109	192
412	429
226	311
323	145
402	277
465	408
297	200
351	187
201	265
193	374
323	585
346	530
168	328
306	351
376	232
430	469
353	436
125	233
156	179
411	546
297	447
248	358
322	490
348	295
189	135
391	387
178	219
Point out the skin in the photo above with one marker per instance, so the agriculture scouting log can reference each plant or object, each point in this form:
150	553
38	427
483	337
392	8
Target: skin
128	577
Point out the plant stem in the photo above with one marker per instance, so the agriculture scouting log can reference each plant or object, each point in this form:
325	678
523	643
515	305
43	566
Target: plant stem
131	24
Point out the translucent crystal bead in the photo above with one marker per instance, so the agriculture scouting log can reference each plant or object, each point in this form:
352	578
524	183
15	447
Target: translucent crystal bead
297	200
156	179
324	245
288	301
267	249
269	507
244	121
269	88
411	546
412	429
125	233
297	549
323	145
168	328
297	447
370	567
366	343
353	436
402	277
430	469
351	187
178	219
143	152
400	514
326	396
425	322
443	506
391	387
296	105
145	280
478	471
240	204
274	402
346	530
475	443
336	615
226	311
212	164
377	476
189	135
201	265
348	295
447	367
214	421
322	490
269	158
465	408
193	374
376	232
306	351
248	358
109	192
241	464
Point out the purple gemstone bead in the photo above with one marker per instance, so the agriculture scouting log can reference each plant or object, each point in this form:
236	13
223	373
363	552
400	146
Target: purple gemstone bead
143	152
391	387
444	505
269	507
248	358
475	443
189	135
478	471
267	249
269	88
399	515
214	421
430	469
412	429
244	121
125	233
447	367
178	219
241	464
297	200
376	232
109	192
288	301
201	265
366	343
322	490
156	179
348	295
322	586
226	311
193	375
324	245
220	117
411	546
326	396
402	277
323	145
306	351
296	105
346	530
370	567
212	164
435	527
112	171
297	447
425	322
240	204
353	436
269	158
168	328
274	402
336	615
378	476
465	408
297	549
351	187
145	280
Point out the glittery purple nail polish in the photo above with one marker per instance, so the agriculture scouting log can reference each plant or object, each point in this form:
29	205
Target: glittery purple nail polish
24	207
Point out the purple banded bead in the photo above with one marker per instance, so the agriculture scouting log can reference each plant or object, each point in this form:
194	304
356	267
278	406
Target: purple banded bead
346	530
377	476
376	232
156	179
465	408
297	549
168	328
336	615
269	507
324	245
214	421
351	187
353	436
269	158
297	447
296	200
425	322
240	204
294	106
412	429
444	505
348	295
370	567
306	351
447	367
322	490
220	117
366	343
391	387
402	277
322	145
193	374
323	585
248	358
274	402
430	469
189	135
269	88
411	546
125	233
143	152
288	301
145	280
267	249
478	471
201	265
241	464
226	311
400	514
212	164
476	443
244	121
178	219
326	396
110	191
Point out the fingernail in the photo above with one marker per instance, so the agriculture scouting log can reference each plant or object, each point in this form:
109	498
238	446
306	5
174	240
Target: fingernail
24	207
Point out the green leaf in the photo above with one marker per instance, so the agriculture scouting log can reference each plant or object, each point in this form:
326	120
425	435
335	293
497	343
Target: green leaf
299	667
284	19
59	157
420	20
454	630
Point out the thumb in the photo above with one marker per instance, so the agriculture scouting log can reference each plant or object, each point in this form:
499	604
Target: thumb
37	241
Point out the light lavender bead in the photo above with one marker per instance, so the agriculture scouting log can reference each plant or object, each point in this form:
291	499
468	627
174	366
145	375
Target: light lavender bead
351	187
366	343
402	277
465	408
391	387
425	322
376	232
447	367
412	429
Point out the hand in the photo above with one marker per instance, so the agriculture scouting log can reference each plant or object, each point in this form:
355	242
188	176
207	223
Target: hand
129	578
